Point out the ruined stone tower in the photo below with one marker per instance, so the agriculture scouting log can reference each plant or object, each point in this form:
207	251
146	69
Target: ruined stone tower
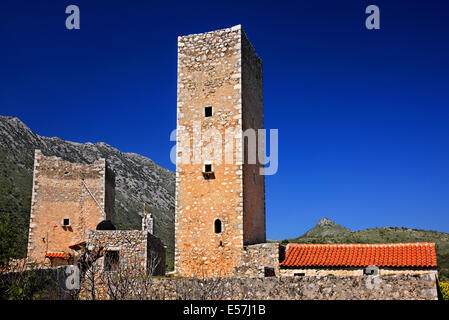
68	200
220	205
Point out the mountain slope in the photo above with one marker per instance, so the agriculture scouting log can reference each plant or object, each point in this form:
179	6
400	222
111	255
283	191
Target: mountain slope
138	179
325	228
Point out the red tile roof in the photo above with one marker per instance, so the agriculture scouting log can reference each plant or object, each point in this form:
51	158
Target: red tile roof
419	254
78	245
62	255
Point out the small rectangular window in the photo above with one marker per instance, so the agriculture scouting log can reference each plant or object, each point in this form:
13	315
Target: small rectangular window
269	272
66	222
111	260
208	172
208	111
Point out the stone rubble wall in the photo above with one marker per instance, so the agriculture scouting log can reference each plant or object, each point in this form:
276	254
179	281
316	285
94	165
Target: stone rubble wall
258	257
209	74
132	244
58	193
254	226
219	70
399	287
137	248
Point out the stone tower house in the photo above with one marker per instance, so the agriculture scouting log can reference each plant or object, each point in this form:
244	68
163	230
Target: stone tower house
68	200
220	205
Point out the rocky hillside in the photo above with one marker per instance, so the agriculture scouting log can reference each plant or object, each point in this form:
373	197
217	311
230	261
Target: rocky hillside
326	228
138	179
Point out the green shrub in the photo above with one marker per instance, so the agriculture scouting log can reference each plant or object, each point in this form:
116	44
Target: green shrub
444	288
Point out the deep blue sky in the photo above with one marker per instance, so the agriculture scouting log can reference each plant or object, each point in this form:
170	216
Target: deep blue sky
363	115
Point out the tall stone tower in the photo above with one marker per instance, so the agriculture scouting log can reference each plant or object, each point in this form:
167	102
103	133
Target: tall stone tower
220	205
68	200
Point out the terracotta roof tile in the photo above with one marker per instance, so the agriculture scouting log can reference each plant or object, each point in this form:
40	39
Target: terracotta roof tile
419	254
57	255
78	245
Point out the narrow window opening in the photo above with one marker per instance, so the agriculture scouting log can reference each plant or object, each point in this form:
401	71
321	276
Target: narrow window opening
269	272
111	260
217	226
221	244
207	168
66	222
208	172
208	111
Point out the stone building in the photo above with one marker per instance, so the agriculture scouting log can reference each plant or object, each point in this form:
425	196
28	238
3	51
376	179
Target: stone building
359	259
135	249
220	197
273	259
68	200
73	209
220	189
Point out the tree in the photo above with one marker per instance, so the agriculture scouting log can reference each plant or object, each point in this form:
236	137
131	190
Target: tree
129	279
7	240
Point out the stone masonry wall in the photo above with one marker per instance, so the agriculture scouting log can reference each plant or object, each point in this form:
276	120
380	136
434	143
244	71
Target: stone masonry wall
257	258
403	287
137	249
58	193
129	262
109	195
252	118
132	245
210	74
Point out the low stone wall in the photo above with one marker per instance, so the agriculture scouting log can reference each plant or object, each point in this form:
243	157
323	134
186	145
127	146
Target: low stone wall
398	287
34	284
